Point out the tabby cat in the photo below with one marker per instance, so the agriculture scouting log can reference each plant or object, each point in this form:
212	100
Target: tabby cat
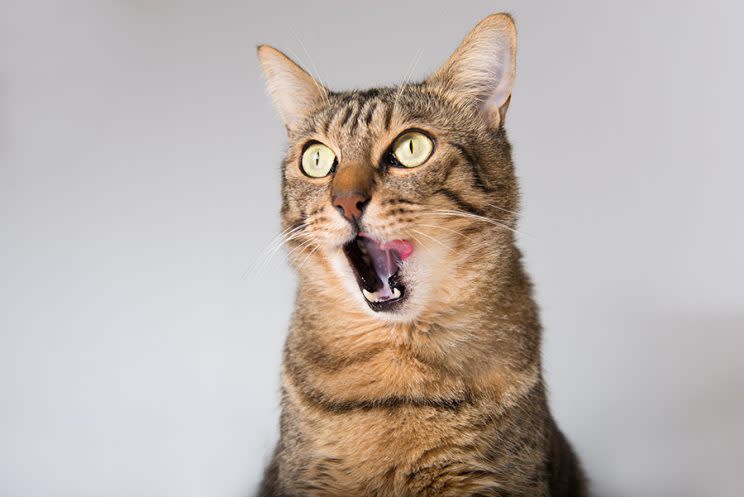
412	365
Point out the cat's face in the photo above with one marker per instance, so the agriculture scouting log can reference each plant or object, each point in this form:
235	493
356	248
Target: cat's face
398	198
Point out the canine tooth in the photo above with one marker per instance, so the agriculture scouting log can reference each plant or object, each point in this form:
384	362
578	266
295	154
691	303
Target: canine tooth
369	296
396	293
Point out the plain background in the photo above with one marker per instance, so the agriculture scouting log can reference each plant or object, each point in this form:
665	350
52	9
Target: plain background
139	182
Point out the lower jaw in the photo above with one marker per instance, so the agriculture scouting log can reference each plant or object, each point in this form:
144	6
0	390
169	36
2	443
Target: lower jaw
390	304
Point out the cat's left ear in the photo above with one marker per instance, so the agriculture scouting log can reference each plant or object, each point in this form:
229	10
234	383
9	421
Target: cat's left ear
481	71
295	93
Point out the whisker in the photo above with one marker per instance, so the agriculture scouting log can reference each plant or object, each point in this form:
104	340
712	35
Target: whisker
503	209
278	247
273	247
317	79
447	229
302	246
469	215
304	261
432	238
285	237
409	75
417	240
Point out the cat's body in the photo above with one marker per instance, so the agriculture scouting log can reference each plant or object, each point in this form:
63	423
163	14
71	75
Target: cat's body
438	391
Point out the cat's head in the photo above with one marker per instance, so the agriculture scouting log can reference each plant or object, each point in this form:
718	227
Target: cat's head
401	199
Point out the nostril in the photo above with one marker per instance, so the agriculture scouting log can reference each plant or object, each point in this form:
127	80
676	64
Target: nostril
350	205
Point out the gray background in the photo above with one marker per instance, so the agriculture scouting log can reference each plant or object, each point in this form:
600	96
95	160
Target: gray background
139	181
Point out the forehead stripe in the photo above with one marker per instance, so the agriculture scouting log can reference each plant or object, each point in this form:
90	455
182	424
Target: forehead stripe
370	113
355	120
327	123
349	110
388	116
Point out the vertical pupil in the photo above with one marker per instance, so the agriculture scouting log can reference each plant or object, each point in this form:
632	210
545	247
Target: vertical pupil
410	145
317	158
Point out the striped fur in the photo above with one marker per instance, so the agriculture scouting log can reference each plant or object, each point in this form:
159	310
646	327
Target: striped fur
443	397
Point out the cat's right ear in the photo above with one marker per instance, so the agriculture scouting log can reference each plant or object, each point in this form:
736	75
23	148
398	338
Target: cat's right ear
293	90
481	71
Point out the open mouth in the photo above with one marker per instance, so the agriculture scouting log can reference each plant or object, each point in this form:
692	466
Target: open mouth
377	267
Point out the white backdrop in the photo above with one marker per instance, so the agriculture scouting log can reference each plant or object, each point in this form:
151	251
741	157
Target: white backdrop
139	180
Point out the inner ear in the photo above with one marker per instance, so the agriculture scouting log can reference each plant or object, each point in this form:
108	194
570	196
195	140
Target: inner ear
295	93
482	69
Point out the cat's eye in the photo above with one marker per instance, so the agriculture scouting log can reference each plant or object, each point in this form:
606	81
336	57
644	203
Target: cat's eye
318	160
412	148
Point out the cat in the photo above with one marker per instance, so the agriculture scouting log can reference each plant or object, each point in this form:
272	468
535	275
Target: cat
412	365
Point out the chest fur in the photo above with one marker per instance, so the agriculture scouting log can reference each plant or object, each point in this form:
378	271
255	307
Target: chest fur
401	450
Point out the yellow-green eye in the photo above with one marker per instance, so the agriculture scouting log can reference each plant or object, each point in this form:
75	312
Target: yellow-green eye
318	160
412	149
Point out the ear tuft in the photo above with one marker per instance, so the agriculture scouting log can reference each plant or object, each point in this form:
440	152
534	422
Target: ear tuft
293	90
481	71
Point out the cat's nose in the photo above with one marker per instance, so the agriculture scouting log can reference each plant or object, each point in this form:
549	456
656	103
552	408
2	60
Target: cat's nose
351	205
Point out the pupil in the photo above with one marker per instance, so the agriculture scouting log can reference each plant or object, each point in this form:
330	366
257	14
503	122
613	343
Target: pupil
317	159
410	145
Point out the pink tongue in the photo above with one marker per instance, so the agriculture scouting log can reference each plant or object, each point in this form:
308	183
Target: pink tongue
403	247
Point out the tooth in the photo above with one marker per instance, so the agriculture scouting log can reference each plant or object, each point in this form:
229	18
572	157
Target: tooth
369	296
374	296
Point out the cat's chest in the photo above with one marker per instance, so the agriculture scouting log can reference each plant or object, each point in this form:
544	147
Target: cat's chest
393	451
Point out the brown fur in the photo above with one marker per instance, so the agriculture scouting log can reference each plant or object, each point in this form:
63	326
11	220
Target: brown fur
445	396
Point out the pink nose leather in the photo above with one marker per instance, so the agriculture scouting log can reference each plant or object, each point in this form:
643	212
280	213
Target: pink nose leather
350	205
